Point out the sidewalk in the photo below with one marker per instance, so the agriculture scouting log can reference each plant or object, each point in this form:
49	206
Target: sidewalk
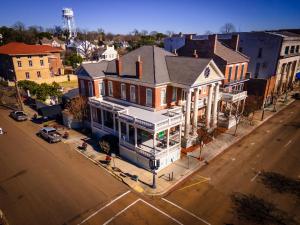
180	169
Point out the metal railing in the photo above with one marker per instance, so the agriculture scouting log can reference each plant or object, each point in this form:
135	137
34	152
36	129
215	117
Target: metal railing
233	95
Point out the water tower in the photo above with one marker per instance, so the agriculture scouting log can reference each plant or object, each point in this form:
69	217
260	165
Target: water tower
69	22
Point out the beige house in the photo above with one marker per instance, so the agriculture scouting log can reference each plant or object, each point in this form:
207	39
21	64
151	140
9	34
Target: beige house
39	63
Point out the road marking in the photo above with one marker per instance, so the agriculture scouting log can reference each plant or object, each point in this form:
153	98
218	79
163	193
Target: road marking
202	181
133	203
289	142
253	178
175	220
119	213
188	212
108	204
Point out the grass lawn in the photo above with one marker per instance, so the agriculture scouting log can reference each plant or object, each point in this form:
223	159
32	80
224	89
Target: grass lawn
69	84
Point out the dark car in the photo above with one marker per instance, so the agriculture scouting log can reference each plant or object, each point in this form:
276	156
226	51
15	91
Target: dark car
296	96
18	115
109	144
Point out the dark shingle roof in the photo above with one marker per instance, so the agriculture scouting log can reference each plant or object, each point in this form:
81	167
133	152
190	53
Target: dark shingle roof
93	70
185	70
154	64
205	50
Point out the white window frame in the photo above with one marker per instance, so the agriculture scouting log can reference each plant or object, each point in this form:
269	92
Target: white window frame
42	62
19	63
123	91
101	87
149	101
132	93
110	88
163	96
174	94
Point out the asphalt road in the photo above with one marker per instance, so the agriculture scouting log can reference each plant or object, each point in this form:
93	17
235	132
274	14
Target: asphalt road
273	147
52	184
43	183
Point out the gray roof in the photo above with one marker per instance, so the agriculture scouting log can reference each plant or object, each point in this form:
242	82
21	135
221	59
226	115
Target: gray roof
154	65
185	70
93	70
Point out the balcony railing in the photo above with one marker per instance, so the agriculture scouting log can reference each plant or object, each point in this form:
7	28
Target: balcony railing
233	96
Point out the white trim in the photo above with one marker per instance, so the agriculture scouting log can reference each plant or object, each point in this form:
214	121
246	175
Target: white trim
147	101
123	91
164	97
131	95
110	88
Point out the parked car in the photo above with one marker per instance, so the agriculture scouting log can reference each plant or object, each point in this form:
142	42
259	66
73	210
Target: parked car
296	96
50	134
109	144
18	115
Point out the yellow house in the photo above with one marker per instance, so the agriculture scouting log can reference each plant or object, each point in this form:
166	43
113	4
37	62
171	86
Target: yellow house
39	63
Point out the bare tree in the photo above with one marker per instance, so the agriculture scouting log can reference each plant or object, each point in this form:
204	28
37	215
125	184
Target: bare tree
77	107
233	109
227	28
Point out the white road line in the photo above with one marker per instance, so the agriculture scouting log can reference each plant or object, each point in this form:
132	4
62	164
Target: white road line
152	206
123	210
253	178
289	142
111	202
162	212
188	212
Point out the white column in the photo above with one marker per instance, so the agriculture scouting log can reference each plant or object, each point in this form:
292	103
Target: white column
208	107
127	132
187	114
195	119
215	106
102	117
135	136
154	140
168	138
237	108
120	133
114	121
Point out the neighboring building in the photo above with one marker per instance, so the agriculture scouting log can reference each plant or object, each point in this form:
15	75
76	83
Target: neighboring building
177	41
30	62
272	54
83	48
54	42
144	98
230	61
106	53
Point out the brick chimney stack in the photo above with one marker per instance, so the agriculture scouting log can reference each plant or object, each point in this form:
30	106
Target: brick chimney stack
118	66
234	42
139	68
195	54
213	41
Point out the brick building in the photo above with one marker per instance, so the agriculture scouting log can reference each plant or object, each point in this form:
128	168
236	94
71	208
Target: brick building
146	96
30	62
231	62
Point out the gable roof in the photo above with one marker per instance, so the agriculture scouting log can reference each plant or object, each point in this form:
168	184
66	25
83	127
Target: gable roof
204	49
18	48
153	60
93	70
186	70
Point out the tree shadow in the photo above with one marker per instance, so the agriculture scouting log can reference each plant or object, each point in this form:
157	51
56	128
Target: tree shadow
280	183
254	210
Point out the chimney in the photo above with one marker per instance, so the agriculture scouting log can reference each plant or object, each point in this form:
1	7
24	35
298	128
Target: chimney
195	54
213	41
234	42
139	68
118	66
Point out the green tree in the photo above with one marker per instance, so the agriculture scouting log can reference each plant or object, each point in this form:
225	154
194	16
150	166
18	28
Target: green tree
72	59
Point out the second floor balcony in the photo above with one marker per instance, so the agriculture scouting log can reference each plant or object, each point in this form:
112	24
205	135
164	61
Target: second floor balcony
233	96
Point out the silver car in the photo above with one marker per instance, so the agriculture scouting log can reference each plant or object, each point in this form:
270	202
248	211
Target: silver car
18	115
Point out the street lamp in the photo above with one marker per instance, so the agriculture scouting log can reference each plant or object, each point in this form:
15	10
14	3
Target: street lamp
154	165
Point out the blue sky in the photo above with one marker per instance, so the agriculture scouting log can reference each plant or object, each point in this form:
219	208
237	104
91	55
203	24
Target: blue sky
187	16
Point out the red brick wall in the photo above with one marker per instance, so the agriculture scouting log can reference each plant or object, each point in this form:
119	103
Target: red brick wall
233	72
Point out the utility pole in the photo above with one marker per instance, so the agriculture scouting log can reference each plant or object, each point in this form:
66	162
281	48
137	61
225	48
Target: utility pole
18	91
